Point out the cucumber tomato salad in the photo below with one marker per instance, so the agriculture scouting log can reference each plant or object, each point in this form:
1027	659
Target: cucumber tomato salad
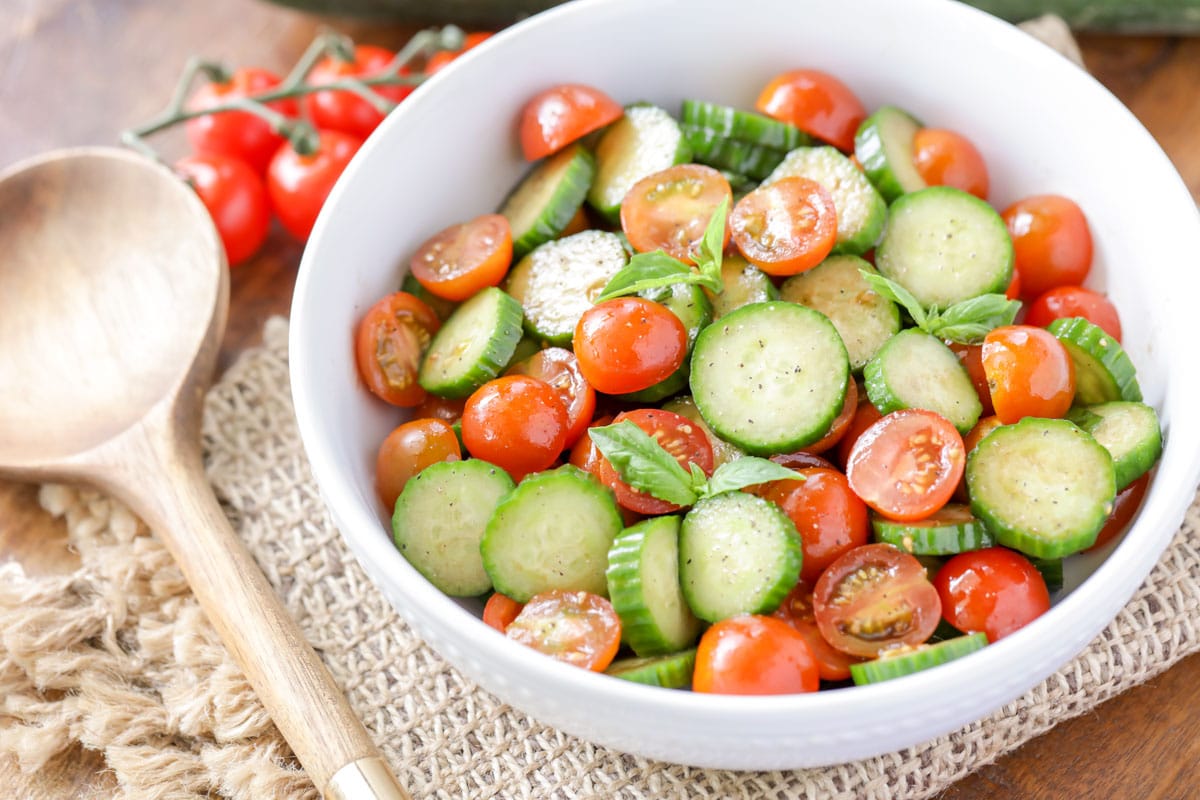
754	401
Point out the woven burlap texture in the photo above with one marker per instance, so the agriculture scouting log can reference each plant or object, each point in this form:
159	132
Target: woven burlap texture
118	656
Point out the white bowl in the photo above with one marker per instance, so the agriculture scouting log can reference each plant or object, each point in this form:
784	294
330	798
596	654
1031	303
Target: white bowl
450	152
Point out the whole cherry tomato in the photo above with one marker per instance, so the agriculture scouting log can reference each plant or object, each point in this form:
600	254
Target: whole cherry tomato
865	416
559	367
829	517
1052	243
786	227
388	345
579	628
1029	373
676	434
815	102
995	590
1075	301
670	209
797	610
627	344
752	654
446	409
237	134
343	110
517	423
562	114
500	611
946	158
236	200
971	357
442	59
458	261
840	424
298	184
1125	507
407	450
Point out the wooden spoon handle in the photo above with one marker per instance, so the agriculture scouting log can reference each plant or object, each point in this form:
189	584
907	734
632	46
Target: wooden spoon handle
175	499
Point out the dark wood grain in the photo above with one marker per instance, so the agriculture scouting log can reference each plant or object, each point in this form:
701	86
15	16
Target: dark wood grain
78	71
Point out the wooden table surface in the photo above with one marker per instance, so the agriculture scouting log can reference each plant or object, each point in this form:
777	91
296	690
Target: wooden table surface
77	71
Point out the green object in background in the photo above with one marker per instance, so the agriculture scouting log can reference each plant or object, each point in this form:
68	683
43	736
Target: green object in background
1127	16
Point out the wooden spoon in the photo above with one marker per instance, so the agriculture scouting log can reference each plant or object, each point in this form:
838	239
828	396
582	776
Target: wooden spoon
113	298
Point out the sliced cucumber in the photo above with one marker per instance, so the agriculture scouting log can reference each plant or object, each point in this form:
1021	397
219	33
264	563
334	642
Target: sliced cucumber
732	155
442	307
743	126
916	370
1042	486
907	661
1052	572
1103	371
861	210
691	305
743	284
944	246
672	671
1128	431
770	377
557	282
527	347
552	532
644	141
440	518
953	529
643	585
543	204
723	451
738	554
473	346
835	287
884	147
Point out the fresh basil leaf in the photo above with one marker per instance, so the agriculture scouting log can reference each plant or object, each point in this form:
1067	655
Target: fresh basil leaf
747	471
643	271
643	463
699	479
971	320
968	333
897	294
712	247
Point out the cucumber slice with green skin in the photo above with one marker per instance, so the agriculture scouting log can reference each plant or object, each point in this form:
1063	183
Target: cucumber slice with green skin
864	319
1128	431
557	282
953	529
907	662
1103	371
884	147
1052	572
440	518
743	126
945	246
440	306
723	451
644	141
527	347
643	586
672	671
738	554
861	210
473	346
1042	486
542	205
916	370
733	155
743	284
551	532
770	377
691	305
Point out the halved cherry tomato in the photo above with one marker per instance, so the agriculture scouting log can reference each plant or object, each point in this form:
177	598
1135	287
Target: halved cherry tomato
671	209
829	517
995	590
627	344
841	422
500	610
971	357
434	407
388	346
298	184
236	199
1029	373
343	110
579	628
785	228
874	598
907	464
442	59
865	416
797	610
237	134
407	450
559	367
1128	501
815	102
946	158
561	114
752	654
517	423
1052	243
678	435
458	261
1075	301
